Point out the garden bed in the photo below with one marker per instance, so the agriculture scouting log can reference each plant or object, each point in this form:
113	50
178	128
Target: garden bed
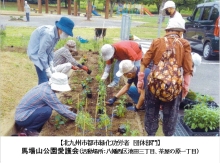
75	97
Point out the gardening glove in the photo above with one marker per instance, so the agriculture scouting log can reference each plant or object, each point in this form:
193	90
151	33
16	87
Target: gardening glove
105	75
186	83
140	84
48	72
75	68
111	101
86	69
52	68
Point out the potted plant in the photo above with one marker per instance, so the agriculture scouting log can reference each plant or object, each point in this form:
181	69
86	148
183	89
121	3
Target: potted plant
201	120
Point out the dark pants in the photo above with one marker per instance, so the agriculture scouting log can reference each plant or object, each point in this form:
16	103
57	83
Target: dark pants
42	76
37	119
27	16
170	114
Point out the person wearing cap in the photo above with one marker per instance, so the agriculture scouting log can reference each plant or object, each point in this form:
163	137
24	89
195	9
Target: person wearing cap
170	10
130	71
64	61
120	51
184	60
35	108
27	11
41	46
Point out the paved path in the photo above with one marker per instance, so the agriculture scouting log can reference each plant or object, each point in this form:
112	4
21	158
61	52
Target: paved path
80	21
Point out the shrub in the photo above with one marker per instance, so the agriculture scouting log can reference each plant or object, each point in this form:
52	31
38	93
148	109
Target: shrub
202	117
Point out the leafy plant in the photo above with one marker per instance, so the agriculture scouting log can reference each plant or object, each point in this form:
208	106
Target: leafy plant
89	79
128	131
121	109
104	121
85	121
69	101
202	117
59	120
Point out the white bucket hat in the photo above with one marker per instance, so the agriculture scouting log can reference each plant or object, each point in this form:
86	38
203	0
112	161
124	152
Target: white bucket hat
197	59
169	4
59	82
107	51
124	67
176	25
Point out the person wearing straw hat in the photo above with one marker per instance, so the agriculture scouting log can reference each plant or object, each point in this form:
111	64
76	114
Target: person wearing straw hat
35	108
41	46
130	71
120	51
64	61
183	57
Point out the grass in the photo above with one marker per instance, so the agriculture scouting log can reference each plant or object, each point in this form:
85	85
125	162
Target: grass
18	72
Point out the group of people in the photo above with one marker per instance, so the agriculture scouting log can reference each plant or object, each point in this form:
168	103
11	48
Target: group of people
36	106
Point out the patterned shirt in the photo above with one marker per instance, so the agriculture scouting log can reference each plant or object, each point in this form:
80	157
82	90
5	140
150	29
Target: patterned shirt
41	45
63	55
40	96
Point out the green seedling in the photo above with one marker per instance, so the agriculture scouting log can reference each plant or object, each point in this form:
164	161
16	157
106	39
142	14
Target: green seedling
59	120
69	101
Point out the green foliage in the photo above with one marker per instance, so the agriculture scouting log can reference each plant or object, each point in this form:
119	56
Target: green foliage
121	109
85	121
199	97
105	121
202	117
59	120
130	132
69	101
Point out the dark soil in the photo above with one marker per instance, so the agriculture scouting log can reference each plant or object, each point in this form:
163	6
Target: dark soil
69	128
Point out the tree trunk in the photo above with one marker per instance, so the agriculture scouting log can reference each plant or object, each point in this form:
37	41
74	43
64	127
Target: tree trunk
58	7
39	6
89	10
69	7
75	8
107	9
46	6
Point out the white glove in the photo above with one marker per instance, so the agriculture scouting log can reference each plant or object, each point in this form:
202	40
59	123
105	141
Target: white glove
52	68
105	75
107	68
48	72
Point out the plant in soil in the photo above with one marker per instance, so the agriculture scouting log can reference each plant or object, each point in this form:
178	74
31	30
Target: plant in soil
85	121
69	101
121	109
200	117
104	121
59	120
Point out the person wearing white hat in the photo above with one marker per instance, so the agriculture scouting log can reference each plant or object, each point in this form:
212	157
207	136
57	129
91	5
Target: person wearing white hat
64	61
130	71
183	57
35	108
27	11
120	51
41	46
170	10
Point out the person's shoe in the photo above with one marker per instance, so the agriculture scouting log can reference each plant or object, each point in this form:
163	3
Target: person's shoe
113	84
31	133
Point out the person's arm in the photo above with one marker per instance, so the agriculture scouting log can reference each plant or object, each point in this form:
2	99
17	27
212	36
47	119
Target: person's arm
44	57
69	57
106	70
51	99
141	99
121	92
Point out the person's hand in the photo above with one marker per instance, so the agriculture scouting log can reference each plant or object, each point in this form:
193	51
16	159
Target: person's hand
185	88
86	69
52	68
140	84
75	67
104	76
48	72
111	101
